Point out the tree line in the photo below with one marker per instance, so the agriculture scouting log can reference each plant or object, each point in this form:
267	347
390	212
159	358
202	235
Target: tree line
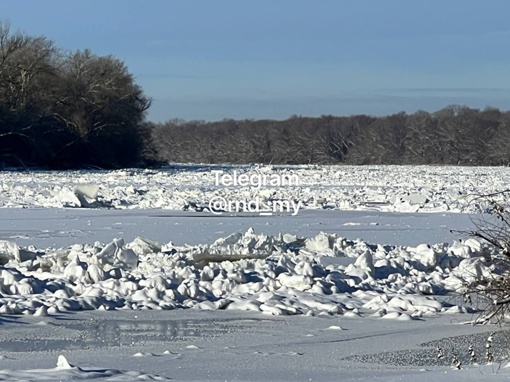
456	135
62	109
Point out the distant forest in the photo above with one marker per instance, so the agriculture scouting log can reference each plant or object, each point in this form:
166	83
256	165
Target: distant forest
454	135
61	109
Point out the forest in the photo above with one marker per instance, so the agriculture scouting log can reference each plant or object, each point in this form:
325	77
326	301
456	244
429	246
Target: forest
61	109
456	135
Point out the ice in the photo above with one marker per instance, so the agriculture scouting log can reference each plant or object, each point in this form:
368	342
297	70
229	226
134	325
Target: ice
87	194
381	188
62	363
313	294
66	371
243	271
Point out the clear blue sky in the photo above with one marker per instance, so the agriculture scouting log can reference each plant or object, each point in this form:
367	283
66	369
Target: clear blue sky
270	59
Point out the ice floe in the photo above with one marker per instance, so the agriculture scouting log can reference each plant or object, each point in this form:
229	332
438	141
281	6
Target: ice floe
193	187
278	275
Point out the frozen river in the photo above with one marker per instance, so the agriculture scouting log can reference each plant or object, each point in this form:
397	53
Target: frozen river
52	227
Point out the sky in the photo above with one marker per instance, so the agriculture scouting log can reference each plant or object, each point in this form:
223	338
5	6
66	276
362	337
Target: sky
210	60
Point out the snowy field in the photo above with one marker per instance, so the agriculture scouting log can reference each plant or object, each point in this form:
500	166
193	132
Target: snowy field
244	273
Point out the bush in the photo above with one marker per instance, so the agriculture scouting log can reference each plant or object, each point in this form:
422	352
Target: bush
492	293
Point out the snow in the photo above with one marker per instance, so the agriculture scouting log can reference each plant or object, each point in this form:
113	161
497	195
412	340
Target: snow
375	188
66	371
244	271
114	275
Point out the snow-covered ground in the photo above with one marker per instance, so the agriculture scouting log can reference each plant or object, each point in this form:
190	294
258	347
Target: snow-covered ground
136	275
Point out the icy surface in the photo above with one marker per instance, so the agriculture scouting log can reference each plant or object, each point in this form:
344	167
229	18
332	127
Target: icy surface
130	275
379	188
66	371
51	227
192	345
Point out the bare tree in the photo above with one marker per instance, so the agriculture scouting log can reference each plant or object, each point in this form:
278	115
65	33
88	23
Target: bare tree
66	109
493	228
